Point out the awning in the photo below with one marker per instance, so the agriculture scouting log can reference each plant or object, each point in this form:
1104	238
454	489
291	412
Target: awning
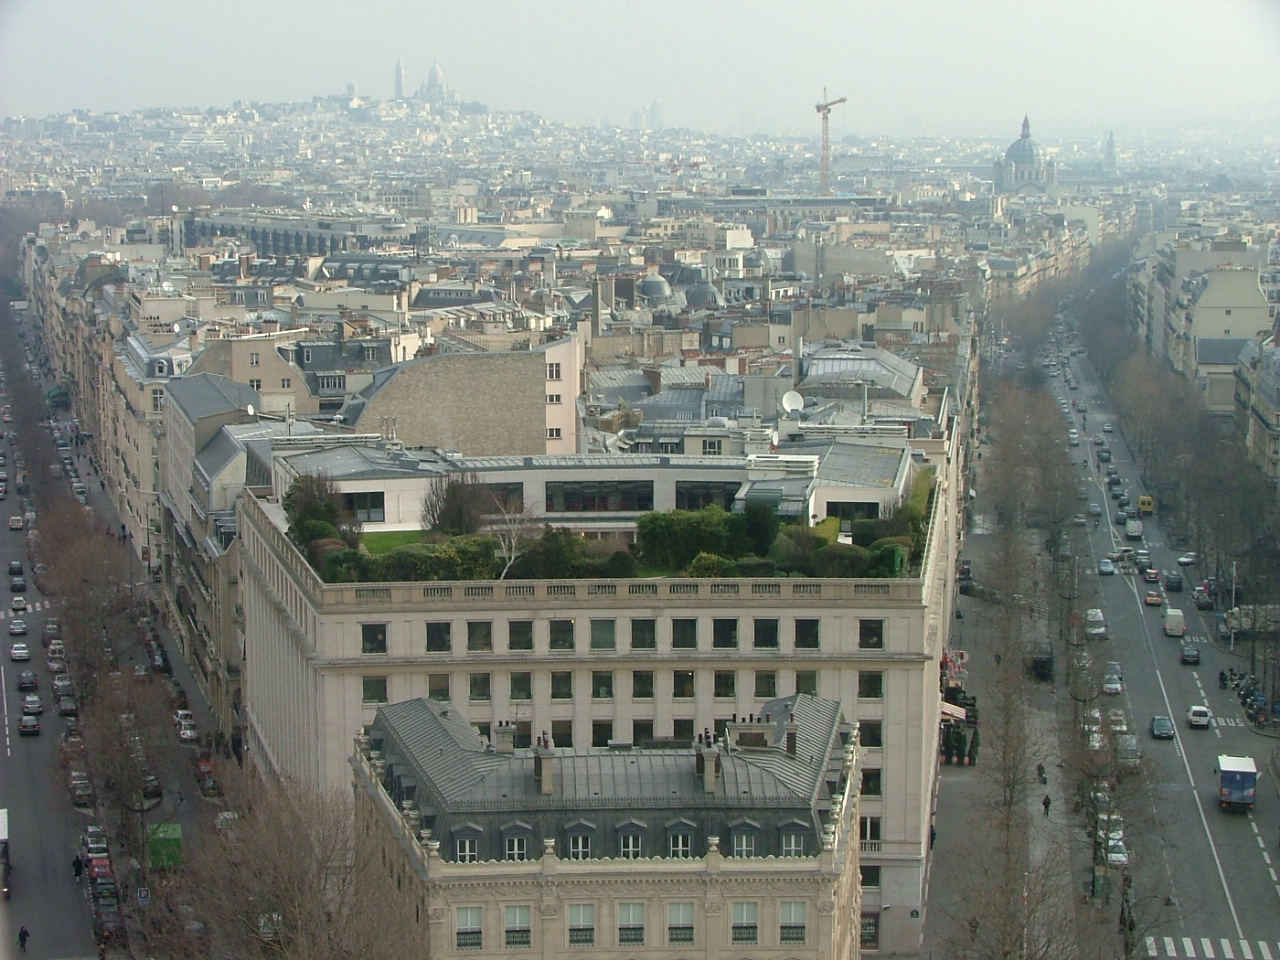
951	712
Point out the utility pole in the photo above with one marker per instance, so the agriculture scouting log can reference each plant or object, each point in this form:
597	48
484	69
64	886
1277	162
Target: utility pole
824	111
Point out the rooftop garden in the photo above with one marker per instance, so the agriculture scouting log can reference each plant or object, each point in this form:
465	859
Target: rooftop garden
469	534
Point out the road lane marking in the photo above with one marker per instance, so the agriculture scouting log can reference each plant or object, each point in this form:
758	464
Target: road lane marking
1207	946
1152	949
1245	952
1264	950
1226	950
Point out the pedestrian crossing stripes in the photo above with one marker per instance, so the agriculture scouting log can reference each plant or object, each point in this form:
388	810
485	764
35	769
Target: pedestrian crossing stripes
31	608
1212	948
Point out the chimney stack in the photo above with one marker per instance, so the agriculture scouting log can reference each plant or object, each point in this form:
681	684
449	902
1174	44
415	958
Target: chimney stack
792	728
504	737
709	764
544	765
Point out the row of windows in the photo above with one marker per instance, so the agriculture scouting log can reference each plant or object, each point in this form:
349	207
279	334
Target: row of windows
593	496
603	634
724	685
581	929
632	842
285	383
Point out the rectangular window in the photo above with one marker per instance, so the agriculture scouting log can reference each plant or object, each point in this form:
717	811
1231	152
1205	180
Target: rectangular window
480	688
373	638
580	846
370	353
255	384
306	356
744	844
791	916
682	684
439	636
870	685
793	844
644	634
374	690
631	924
766	634
680	845
630	846
684	634
367	507
470	935
642	732
601	732
679	923
766	684
582	924
599	496
601	685
603	634
516	848
869	828
517	922
725	684
724	634
871	634
642	685
438	687
871	733
553	433
553	371
869	932
562	733
562	685
561	634
332	384
711	448
745	922
467	849
553	398
286	383
807	634
480	636
520	635
807	682
682	730
521	686
869	875
254	359
870	782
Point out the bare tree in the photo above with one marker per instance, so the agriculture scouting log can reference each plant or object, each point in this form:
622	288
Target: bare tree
455	504
514	529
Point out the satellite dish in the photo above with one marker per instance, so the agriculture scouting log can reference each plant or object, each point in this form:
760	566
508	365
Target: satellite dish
249	409
177	328
792	401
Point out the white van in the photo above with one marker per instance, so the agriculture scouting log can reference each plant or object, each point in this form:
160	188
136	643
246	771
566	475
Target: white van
1174	623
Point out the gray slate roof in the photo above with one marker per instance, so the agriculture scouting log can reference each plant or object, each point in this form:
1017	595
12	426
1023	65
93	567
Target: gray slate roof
208	395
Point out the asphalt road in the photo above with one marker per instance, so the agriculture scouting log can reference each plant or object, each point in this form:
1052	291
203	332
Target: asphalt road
1220	866
43	826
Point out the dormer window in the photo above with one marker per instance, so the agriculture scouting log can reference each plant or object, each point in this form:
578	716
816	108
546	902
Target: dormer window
745	834
631	839
680	835
162	368
579	834
516	837
466	843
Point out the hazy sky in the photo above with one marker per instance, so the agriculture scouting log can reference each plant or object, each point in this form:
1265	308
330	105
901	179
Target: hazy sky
969	67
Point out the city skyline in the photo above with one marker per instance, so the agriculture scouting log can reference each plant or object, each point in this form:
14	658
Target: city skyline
933	69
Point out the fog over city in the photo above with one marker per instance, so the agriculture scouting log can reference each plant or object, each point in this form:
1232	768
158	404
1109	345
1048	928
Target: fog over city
932	67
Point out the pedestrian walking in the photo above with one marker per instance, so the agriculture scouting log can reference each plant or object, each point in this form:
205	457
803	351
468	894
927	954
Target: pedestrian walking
933	836
1046	802
77	867
23	936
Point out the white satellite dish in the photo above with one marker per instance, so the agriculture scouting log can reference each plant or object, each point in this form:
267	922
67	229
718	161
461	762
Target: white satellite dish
249	409
177	328
792	401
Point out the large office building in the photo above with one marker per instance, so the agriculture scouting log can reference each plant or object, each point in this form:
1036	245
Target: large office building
740	844
622	661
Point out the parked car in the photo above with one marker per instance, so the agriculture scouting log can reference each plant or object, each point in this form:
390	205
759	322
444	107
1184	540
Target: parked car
67	707
1112	685
1188	560
32	704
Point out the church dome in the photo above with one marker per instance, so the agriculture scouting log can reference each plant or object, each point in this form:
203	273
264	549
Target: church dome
654	287
1024	151
435	77
703	295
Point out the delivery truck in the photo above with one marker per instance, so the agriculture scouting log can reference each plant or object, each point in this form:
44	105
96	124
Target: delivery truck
1237	782
1175	625
1133	530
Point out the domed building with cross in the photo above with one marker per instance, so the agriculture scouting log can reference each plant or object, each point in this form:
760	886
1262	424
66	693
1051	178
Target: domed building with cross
1025	167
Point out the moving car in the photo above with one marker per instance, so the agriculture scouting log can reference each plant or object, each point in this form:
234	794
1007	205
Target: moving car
18	604
1188	560
27	681
15	568
1173	581
17	585
32	704
28	726
1151	575
19	652
1107	428
188	733
1106	568
1190	654
18	628
16	523
1153	599
1095	510
1161	728
1199	717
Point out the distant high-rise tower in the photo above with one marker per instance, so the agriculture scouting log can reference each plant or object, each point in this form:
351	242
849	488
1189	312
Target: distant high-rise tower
399	79
1109	155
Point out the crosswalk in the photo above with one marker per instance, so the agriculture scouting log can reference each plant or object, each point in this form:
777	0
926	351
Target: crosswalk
1211	948
31	608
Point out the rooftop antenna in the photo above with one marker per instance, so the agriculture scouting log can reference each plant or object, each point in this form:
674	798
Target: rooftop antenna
824	111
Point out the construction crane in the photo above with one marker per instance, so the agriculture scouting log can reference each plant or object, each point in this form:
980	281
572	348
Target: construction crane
824	111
